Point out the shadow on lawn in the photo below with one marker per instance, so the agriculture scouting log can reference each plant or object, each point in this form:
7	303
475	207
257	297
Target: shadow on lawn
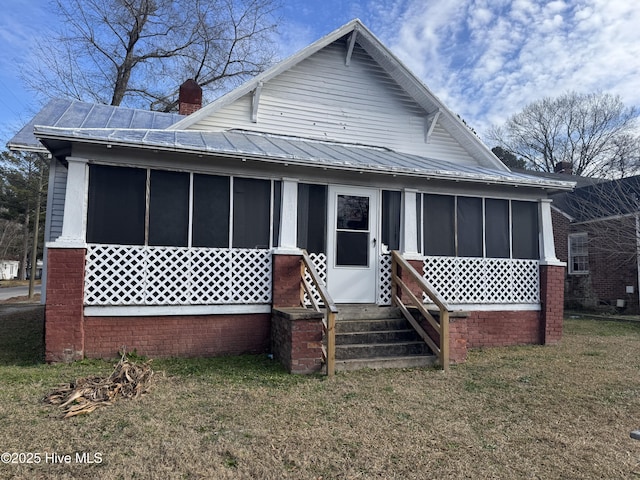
21	334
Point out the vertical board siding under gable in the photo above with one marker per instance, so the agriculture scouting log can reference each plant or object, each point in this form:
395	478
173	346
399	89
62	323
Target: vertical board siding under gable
57	201
322	98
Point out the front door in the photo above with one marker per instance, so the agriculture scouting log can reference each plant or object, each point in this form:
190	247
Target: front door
352	244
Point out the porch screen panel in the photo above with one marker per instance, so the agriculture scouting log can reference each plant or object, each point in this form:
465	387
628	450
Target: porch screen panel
469	227
524	218
497	228
211	201
391	203
312	217
169	208
116	205
277	205
439	225
251	213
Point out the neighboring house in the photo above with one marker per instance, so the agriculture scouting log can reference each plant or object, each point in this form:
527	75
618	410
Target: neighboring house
9	269
178	235
597	232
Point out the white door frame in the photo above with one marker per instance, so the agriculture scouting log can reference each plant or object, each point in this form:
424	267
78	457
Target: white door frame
353	283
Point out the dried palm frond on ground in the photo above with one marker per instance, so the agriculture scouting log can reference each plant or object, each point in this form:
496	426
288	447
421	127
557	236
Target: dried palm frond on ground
128	380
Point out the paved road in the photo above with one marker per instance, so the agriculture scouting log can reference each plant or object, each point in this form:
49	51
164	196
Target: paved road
10	292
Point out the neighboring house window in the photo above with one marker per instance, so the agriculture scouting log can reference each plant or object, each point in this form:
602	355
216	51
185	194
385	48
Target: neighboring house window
578	253
479	227
137	206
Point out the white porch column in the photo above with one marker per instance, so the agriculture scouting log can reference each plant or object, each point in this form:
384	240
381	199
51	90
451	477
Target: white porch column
409	222
74	223
289	217
545	225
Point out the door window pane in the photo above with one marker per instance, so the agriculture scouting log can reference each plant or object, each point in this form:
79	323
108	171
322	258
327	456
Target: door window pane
352	249
116	208
169	208
353	212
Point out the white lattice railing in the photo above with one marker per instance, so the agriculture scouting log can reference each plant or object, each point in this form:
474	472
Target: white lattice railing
134	275
466	280
319	261
384	279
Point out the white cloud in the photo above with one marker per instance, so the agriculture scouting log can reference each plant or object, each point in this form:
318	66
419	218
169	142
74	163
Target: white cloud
488	59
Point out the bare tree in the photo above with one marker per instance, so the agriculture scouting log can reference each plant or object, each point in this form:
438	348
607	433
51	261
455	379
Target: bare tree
594	133
137	52
10	234
23	183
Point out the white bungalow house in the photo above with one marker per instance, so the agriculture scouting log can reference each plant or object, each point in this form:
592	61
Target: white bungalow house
179	234
9	269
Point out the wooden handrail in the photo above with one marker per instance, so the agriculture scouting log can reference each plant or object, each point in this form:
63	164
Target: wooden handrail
331	310
441	327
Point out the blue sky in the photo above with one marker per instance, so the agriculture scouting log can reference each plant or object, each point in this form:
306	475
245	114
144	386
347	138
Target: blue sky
486	59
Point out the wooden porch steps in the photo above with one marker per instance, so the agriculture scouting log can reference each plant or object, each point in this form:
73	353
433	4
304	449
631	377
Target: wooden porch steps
369	336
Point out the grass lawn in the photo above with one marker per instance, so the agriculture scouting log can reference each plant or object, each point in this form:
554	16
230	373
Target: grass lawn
521	412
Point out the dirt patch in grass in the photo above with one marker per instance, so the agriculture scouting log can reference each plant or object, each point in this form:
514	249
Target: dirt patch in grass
524	412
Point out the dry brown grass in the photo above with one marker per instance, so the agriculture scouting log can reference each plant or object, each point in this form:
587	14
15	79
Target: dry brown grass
525	412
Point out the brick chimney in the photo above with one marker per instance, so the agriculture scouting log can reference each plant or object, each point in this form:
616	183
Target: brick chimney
189	98
563	167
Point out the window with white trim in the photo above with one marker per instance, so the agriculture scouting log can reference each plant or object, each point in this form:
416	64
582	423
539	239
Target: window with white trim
578	253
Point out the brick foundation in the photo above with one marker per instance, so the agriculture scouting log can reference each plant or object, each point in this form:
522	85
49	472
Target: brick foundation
503	329
296	339
178	336
64	321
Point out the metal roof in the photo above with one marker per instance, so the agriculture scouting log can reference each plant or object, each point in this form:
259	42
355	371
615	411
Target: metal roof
65	113
294	151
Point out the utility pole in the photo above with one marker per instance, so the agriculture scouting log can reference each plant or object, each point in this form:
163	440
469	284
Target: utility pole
36	224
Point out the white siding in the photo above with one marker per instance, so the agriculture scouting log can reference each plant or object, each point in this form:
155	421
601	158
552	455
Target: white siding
57	200
323	98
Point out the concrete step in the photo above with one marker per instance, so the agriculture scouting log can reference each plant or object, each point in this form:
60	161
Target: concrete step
370	336
378	336
377	350
413	361
370	325
366	312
